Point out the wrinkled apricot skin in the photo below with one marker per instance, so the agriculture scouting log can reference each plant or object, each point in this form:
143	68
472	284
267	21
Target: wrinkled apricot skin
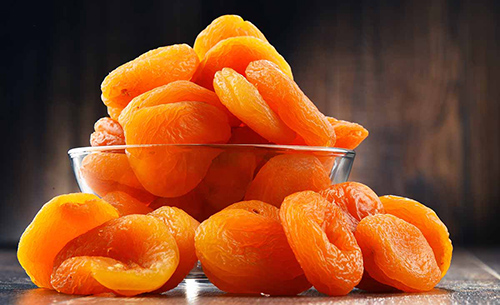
236	53
355	199
222	28
109	172
182	227
396	253
192	203
348	135
126	204
427	221
107	132
243	249
291	104
59	221
246	103
129	255
228	178
150	70
172	171
114	112
286	174
322	243
178	91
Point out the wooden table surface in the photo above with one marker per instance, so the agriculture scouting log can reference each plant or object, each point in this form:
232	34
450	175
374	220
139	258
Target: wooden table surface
473	278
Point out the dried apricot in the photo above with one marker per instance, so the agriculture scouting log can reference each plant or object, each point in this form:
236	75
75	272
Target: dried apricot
237	53
246	103
427	221
191	203
182	227
228	178
174	170
286	174
396	253
178	91
108	172
348	135
355	199
59	221
245	135
114	112
290	103
243	249
150	70
126	204
322	243
221	28
107	132
129	255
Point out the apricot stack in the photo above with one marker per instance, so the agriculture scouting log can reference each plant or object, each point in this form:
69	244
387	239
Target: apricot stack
271	221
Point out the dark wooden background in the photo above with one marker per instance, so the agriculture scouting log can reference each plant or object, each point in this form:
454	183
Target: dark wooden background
422	76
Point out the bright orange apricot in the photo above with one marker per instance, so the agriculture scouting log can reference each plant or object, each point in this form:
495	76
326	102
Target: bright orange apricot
114	112
427	221
107	132
348	135
222	28
182	227
126	204
286	99
322	243
237	53
243	249
192	203
59	221
148	71
174	170
245	135
286	174
178	91
246	103
129	255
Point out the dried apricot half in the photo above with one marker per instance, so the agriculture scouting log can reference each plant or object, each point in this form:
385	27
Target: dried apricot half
290	103
170	170
182	227
129	255
150	70
59	221
246	103
221	28
245	135
178	91
243	249
237	53
355	199
126	204
323	244
427	221
286	174
107	132
396	253
192	203
348	135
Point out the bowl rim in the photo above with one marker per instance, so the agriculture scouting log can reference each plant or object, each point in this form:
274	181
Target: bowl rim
342	152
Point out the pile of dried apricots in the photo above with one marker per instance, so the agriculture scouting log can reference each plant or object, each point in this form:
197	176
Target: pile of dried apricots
273	226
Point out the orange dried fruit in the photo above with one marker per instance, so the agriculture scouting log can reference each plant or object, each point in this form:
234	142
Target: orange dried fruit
107	132
222	28
109	172
178	91
427	221
148	71
286	174
59	221
191	203
126	204
237	53
170	170
243	249
246	103
322	243
355	199
396	253
245	135
114	112
182	227
228	178
286	99
348	135
129	255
